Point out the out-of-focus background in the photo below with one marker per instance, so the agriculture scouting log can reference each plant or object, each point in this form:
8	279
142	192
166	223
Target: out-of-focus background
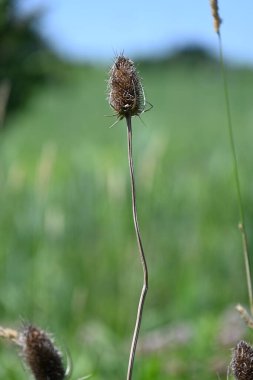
68	254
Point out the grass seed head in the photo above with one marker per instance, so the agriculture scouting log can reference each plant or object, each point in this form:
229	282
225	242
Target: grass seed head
125	91
40	354
216	17
242	361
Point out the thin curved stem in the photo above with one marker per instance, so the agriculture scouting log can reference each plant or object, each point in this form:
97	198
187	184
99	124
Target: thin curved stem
242	226
141	251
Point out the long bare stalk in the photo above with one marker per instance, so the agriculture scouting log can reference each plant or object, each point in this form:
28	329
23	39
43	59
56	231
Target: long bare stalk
217	23
141	251
241	224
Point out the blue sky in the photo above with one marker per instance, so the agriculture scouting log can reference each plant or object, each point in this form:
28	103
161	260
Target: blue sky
95	30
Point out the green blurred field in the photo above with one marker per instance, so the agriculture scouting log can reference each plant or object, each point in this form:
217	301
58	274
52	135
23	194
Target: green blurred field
68	255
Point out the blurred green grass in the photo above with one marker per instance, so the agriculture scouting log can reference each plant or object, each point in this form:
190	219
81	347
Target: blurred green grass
68	255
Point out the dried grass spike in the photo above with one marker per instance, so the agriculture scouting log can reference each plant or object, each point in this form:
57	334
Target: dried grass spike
125	91
216	17
245	315
242	361
9	334
40	354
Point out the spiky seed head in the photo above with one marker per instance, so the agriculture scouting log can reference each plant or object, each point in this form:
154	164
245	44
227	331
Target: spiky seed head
125	91
242	361
40	354
216	17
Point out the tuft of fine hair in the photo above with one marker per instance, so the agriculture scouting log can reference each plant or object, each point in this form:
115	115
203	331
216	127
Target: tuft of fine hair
40	354
242	361
216	17
125	91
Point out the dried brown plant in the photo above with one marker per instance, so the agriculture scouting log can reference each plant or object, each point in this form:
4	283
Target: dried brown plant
126	97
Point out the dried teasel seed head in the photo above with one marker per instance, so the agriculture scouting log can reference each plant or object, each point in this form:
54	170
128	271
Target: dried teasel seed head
125	91
40	354
216	17
242	361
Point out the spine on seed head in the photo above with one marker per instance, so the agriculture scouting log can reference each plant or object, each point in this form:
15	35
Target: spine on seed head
125	91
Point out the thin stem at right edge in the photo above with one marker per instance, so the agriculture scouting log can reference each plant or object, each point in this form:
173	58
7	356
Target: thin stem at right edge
242	227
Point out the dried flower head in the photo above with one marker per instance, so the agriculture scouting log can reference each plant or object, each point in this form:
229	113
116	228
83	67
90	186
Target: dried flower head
216	17
40	354
242	361
125	91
